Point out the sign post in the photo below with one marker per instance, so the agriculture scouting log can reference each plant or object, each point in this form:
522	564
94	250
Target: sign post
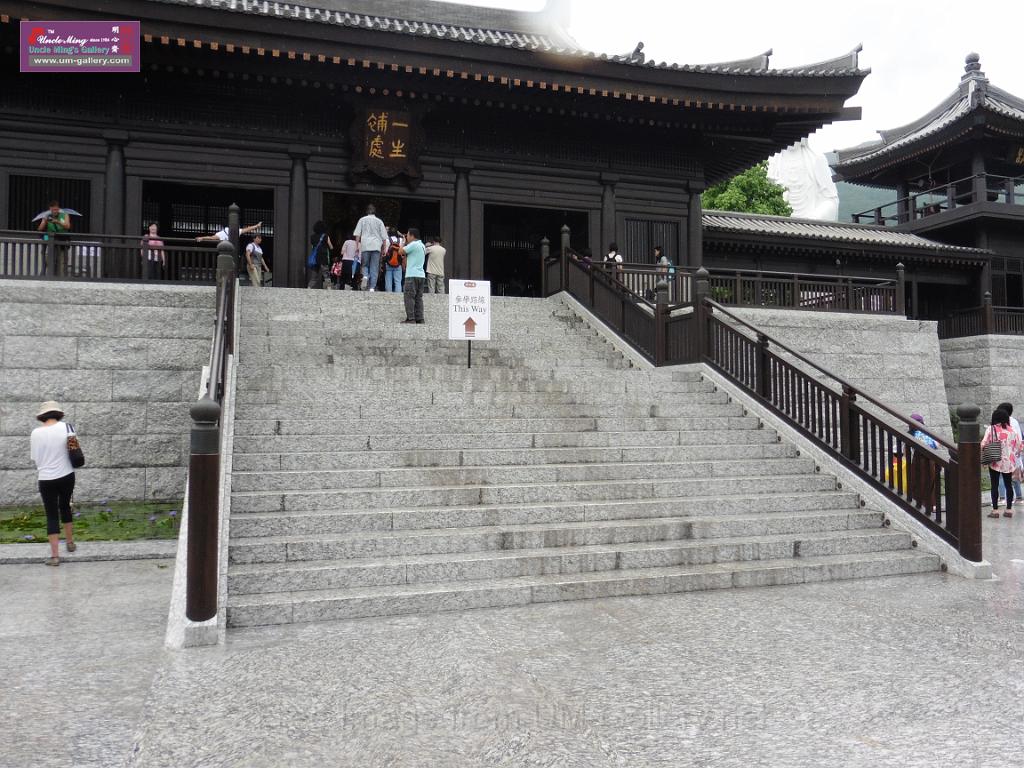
469	313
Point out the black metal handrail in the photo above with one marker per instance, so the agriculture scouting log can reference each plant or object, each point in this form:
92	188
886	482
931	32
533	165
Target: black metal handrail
830	411
204	475
872	439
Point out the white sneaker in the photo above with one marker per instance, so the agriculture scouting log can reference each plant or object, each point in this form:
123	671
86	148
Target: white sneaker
372	290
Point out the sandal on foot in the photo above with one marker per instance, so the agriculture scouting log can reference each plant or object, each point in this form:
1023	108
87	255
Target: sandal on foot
52	561
994	513
1008	513
70	546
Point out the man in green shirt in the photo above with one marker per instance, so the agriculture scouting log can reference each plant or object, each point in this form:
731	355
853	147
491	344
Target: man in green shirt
413	254
56	222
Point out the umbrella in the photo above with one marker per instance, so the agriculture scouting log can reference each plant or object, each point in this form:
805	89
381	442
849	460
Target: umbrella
46	213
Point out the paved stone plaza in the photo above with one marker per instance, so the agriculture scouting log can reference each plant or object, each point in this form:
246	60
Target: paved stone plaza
905	671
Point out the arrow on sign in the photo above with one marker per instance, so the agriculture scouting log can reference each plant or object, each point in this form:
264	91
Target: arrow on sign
470	327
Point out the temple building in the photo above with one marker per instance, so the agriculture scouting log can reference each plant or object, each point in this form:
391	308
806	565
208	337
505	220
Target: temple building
491	128
957	177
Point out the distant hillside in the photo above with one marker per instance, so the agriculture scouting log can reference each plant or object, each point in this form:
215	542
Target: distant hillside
854	198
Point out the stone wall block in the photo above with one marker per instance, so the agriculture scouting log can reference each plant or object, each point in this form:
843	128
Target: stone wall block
146	386
165	483
147	450
66	386
40	352
117	353
179	354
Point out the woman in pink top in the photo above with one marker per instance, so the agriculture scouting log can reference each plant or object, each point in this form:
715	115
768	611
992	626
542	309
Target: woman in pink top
1001	432
153	249
349	264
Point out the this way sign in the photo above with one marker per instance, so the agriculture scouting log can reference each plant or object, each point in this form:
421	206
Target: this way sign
469	310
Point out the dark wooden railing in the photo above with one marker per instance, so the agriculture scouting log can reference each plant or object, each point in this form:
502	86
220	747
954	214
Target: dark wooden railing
989	188
983	321
820	293
204	470
83	256
871	438
775	290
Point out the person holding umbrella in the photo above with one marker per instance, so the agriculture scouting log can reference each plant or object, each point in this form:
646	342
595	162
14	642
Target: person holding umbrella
54	223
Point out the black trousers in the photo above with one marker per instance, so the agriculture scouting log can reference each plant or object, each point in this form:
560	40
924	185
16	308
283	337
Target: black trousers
57	501
414	298
993	478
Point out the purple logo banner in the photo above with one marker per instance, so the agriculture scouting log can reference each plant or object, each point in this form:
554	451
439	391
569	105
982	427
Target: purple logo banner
80	46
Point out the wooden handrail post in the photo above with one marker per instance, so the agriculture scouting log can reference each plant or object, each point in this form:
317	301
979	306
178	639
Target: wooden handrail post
901	290
563	263
234	224
1011	191
849	439
660	321
702	312
849	295
968	483
758	291
545	254
203	511
988	318
763	367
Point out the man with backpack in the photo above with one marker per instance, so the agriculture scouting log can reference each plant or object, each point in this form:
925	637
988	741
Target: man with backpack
372	237
393	264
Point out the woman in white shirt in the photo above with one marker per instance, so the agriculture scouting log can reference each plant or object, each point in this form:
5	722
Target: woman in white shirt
49	445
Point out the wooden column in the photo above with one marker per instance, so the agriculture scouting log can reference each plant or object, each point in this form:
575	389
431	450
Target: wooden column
462	261
979	184
695	228
296	249
608	213
113	183
902	202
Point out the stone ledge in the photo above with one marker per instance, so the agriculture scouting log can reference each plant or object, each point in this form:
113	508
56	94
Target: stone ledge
91	551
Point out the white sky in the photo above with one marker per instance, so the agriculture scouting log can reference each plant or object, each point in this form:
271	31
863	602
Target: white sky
915	50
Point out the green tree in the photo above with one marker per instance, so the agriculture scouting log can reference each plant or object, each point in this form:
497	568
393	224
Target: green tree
749	192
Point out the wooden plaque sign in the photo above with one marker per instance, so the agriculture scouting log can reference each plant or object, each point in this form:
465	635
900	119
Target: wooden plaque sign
386	142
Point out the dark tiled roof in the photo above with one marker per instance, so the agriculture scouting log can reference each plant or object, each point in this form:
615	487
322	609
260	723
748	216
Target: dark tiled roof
539	31
864	234
974	93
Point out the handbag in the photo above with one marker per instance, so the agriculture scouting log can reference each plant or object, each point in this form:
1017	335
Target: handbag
314	260
992	451
74	449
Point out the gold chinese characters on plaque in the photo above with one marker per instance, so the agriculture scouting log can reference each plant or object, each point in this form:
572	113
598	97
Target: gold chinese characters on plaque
386	142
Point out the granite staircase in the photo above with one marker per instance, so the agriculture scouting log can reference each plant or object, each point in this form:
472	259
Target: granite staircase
374	474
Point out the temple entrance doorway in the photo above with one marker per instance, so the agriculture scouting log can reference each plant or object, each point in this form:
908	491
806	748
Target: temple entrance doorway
341	212
512	238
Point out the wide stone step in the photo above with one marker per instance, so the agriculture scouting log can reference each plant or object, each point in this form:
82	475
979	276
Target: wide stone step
397	425
373	441
572	559
433	541
387	404
712	404
828	509
323	605
419	477
467	495
336	460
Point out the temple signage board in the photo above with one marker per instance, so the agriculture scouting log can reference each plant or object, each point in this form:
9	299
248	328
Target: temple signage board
469	310
386	142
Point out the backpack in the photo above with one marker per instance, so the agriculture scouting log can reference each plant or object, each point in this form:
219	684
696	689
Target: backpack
313	261
393	257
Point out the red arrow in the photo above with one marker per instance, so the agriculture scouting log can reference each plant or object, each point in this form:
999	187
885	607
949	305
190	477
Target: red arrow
470	327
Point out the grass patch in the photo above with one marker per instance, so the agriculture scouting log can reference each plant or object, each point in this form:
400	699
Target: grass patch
103	521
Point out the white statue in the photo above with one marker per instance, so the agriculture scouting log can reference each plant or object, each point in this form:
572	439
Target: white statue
808	181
